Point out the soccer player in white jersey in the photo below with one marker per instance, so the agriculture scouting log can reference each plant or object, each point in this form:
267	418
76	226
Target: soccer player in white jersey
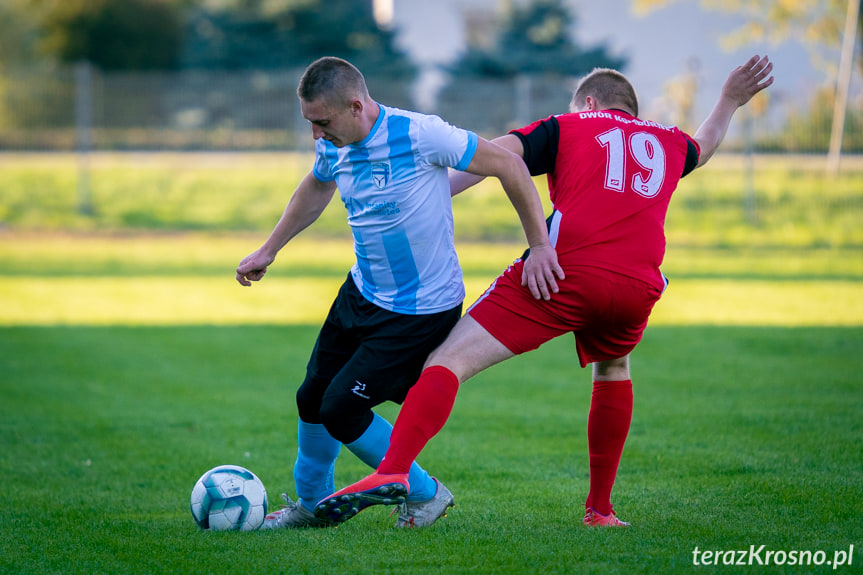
405	291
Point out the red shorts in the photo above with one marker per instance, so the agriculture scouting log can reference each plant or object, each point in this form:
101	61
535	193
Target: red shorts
607	312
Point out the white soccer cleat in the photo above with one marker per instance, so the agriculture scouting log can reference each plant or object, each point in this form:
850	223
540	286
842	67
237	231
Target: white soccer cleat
293	516
424	513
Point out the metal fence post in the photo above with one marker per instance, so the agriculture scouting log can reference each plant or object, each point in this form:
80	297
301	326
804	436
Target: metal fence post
83	133
523	99
849	39
749	206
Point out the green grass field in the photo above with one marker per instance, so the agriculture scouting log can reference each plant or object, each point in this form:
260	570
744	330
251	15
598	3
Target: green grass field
131	366
741	436
131	362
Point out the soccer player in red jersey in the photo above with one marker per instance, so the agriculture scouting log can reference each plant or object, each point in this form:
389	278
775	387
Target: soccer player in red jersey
611	176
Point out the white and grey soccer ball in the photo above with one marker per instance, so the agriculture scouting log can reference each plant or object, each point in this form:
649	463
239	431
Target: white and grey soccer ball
229	497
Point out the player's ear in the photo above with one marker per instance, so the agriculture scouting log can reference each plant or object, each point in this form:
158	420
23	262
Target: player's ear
356	107
586	104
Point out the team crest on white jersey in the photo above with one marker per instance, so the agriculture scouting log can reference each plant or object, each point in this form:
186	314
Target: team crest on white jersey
381	174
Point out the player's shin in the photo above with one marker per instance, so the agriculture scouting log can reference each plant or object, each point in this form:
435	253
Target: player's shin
371	447
316	458
422	416
607	427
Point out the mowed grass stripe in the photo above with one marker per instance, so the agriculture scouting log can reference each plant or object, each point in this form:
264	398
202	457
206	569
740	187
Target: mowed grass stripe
26	254
305	300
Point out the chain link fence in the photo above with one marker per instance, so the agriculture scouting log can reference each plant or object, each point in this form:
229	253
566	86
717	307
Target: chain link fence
69	109
82	108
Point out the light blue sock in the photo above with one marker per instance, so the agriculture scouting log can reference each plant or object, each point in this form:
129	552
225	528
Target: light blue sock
314	471
371	448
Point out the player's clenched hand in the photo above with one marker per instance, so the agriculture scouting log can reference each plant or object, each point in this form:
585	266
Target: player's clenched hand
540	269
253	268
747	80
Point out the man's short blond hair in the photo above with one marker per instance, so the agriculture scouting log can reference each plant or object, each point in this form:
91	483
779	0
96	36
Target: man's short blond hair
609	88
335	80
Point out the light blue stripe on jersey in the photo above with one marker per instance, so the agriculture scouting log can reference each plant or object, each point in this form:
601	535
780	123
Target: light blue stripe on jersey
401	151
404	269
472	143
396	244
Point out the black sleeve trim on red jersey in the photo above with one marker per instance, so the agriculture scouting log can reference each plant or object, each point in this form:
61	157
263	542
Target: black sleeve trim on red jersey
540	146
691	157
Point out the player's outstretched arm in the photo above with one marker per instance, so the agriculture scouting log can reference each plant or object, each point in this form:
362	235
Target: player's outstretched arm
306	205
742	84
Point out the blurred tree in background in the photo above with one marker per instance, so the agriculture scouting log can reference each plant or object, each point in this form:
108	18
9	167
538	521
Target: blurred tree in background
246	34
201	34
18	33
113	34
526	70
290	34
535	39
40	40
17	44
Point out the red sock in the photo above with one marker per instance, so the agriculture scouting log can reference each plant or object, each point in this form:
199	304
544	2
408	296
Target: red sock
422	416
607	427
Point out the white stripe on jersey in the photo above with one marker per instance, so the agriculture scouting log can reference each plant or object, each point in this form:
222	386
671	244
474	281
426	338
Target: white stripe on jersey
554	228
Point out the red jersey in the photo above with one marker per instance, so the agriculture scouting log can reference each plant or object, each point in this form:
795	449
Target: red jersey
610	176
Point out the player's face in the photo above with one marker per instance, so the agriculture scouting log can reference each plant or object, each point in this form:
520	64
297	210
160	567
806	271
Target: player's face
335	123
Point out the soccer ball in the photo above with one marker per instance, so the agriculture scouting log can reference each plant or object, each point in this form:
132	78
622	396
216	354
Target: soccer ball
229	497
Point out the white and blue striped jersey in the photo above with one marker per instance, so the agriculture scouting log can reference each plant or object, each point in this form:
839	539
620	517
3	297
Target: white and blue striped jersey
395	187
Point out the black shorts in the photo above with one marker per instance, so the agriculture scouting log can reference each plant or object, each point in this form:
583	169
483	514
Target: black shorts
366	355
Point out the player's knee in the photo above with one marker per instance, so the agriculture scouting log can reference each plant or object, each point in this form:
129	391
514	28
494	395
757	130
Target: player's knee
344	419
308	403
612	370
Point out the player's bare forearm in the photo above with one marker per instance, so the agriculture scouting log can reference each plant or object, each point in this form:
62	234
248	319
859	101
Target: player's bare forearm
491	159
742	84
711	133
541	270
304	208
306	205
525	200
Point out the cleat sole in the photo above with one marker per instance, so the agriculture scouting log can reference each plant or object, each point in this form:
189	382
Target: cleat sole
340	509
